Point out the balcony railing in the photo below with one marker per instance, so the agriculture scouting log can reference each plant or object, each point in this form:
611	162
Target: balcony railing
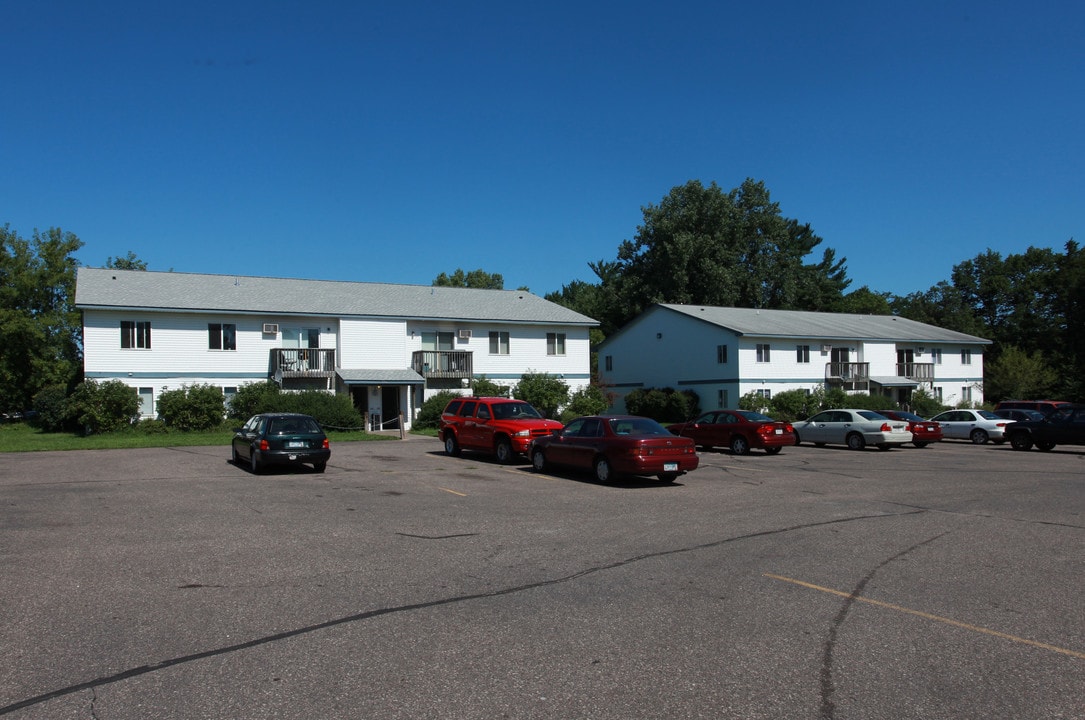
920	372
848	375
302	363
443	364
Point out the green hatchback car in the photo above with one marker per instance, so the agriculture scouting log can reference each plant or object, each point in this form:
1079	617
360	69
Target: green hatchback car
281	439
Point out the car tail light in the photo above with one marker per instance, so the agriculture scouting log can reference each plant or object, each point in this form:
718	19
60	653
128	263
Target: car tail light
327	445
1000	424
264	445
886	428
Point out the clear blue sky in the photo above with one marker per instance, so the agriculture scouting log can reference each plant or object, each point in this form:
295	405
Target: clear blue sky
394	141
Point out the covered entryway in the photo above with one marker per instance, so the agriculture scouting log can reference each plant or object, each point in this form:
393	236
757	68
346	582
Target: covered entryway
896	387
386	398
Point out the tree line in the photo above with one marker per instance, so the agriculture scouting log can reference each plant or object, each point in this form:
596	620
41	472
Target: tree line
699	245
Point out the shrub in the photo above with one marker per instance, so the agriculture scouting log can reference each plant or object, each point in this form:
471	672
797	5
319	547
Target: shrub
429	415
588	400
331	411
872	402
543	391
51	406
254	398
192	407
103	407
484	387
925	404
663	404
793	405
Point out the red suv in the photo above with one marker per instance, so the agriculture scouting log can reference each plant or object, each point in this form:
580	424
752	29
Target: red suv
502	426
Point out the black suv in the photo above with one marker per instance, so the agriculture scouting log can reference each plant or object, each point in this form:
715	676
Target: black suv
1065	426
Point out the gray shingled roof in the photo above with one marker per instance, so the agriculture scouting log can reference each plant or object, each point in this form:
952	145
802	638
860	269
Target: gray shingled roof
168	291
830	326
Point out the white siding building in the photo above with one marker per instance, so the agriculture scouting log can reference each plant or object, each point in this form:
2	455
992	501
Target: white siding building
725	353
388	346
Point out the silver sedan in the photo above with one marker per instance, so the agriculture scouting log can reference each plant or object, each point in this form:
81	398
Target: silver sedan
854	428
979	426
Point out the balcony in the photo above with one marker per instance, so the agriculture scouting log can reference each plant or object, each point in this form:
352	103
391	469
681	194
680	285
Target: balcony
302	363
443	364
848	375
920	372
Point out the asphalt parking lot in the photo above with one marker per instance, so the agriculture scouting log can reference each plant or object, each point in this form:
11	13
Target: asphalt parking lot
402	583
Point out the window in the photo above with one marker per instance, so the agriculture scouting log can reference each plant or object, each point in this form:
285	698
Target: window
499	343
228	395
555	343
966	394
966	356
721	354
763	353
608	362
146	401
802	353
136	334
766	394
721	398
938	394
221	336
936	356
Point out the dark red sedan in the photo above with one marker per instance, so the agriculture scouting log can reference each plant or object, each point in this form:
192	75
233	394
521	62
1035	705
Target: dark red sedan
614	445
923	431
738	430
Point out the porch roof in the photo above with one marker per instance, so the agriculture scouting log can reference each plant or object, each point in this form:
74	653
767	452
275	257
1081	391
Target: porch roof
380	376
893	381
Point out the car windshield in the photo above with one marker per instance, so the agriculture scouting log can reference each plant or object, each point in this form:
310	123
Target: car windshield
637	426
293	426
507	411
754	416
871	415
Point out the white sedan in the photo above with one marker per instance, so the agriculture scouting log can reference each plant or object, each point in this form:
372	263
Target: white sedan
979	426
854	428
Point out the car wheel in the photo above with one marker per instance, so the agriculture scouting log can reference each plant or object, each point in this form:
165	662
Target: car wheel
452	447
798	440
603	471
1021	441
320	466
254	462
921	444
668	477
772	450
504	451
856	441
740	446
978	437
1045	445
538	461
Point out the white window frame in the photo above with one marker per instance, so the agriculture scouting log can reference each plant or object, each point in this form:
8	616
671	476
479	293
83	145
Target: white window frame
555	343
222	332
499	342
136	333
802	354
764	353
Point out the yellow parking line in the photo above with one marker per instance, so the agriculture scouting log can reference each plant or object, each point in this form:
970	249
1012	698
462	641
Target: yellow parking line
928	616
452	491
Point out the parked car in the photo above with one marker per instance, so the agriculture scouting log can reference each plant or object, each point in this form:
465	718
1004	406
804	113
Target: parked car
979	426
1043	406
616	445
738	430
1020	415
855	428
281	439
1065	426
923	431
500	426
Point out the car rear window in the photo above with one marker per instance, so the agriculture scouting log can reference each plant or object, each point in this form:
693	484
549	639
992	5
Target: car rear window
293	426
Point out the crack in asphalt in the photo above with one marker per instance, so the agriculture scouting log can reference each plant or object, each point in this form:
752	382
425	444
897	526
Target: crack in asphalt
379	612
828	687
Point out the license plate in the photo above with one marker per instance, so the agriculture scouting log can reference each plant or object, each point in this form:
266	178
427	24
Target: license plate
293	457
670	467
778	431
296	444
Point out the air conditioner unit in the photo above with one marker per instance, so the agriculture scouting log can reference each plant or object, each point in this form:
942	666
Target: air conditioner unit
465	334
826	349
271	328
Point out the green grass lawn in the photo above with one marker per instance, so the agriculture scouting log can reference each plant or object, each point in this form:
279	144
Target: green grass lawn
20	437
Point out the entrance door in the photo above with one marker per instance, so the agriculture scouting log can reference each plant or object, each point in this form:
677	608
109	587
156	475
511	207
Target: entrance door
302	339
440	342
390	406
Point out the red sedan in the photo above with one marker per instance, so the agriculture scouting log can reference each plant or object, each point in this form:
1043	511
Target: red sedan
923	431
738	430
614	445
